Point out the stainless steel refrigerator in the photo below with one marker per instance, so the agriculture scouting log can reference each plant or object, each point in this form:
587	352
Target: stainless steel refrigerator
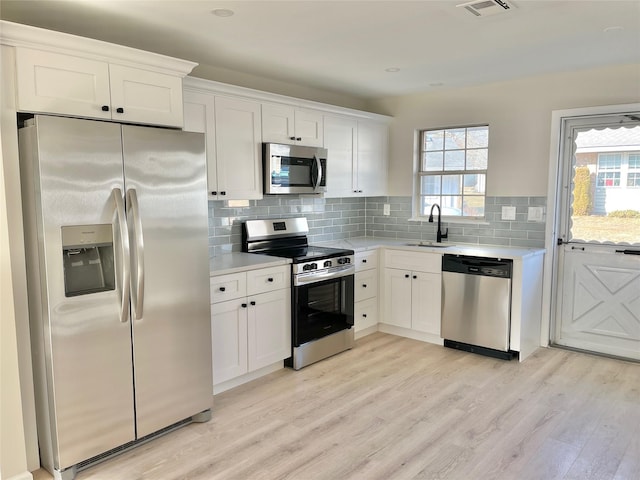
118	276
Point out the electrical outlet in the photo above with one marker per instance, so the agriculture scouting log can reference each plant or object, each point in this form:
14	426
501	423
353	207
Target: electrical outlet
535	214
386	209
508	213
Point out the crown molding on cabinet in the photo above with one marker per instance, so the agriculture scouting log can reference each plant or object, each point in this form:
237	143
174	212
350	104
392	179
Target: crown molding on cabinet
208	86
19	35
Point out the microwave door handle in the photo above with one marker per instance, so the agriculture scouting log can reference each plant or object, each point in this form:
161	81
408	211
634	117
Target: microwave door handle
318	165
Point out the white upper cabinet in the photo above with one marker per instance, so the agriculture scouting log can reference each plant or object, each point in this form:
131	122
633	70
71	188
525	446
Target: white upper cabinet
340	137
233	144
291	125
69	85
357	157
141	96
238	148
372	158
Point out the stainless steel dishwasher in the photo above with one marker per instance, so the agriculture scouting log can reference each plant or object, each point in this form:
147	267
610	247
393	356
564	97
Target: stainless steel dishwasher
476	304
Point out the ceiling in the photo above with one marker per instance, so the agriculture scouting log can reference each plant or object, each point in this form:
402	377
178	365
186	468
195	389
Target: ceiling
347	46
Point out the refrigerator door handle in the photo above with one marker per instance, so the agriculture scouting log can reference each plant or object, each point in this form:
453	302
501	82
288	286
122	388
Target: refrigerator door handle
137	293
116	193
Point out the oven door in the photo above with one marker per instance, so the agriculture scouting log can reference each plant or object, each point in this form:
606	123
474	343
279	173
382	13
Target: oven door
322	308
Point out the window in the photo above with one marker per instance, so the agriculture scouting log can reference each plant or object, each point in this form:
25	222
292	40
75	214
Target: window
609	168
453	171
633	177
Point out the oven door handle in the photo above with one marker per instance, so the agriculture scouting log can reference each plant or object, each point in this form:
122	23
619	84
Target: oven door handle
314	277
318	169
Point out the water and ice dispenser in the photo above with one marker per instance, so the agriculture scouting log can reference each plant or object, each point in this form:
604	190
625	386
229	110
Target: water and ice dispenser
87	252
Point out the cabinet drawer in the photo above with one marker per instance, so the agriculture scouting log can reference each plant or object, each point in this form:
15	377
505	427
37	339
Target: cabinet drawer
268	279
366	260
228	287
414	261
365	314
365	285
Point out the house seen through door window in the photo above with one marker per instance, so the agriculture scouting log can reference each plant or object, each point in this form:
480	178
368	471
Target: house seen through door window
606	185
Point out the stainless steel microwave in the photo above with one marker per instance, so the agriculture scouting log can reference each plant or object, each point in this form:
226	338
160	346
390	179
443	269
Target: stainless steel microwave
294	169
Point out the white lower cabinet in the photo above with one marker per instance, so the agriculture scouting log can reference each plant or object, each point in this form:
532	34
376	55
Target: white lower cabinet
366	293
412	295
250	324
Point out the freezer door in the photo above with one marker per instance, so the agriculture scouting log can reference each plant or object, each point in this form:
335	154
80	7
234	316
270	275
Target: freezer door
81	340
165	182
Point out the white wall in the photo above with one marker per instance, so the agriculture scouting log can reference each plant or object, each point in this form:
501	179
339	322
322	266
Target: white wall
18	442
519	116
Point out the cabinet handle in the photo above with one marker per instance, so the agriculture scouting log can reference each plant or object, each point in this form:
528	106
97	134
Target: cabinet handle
415	276
244	305
222	289
269	279
223	193
364	260
214	192
120	110
105	108
406	275
364	285
364	315
359	191
252	302
299	138
292	138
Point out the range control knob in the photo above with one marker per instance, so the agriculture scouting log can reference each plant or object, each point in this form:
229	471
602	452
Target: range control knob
344	260
327	264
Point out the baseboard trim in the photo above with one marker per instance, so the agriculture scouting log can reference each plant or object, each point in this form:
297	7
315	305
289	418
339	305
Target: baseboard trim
22	476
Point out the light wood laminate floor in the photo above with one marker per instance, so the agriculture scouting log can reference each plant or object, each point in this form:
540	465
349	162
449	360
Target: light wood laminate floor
395	408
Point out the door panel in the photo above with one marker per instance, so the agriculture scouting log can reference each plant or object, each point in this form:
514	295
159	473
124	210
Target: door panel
597	303
89	349
171	335
269	328
601	301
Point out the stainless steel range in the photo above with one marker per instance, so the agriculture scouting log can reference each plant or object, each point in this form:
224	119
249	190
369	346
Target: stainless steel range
322	284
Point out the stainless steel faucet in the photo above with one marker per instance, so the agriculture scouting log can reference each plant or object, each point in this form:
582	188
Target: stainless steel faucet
439	234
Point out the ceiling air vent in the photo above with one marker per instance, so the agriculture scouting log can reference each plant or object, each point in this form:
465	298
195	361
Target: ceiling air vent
484	8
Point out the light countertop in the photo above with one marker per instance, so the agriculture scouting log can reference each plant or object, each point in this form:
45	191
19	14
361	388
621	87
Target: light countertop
241	262
368	243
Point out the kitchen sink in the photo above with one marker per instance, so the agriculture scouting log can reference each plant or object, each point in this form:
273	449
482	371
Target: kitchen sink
429	244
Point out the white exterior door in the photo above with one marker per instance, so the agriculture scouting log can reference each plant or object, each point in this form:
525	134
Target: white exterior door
598	295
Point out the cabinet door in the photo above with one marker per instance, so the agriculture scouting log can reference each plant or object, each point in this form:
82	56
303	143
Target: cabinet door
53	83
199	117
365	314
278	123
269	331
308	128
141	96
397	298
229	339
238	149
425	302
372	158
340	140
